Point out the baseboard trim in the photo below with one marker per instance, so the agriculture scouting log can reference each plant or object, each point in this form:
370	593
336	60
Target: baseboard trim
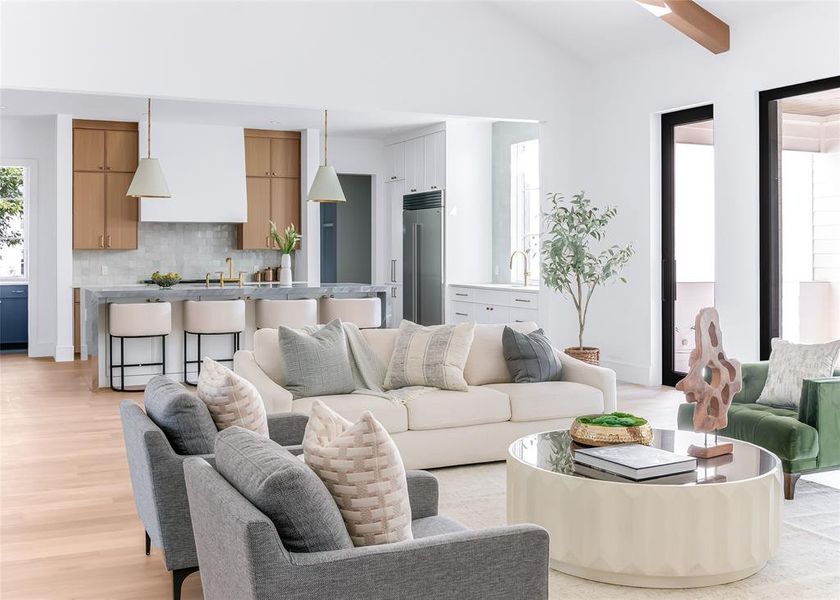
64	354
628	372
41	349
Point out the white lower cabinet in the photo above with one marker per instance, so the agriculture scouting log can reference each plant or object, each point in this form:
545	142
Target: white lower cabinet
491	305
395	297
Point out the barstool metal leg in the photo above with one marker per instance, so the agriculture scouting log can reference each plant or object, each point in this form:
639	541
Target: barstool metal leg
199	354
163	354
185	357
122	364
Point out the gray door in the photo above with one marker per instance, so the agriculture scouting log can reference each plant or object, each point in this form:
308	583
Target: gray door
423	266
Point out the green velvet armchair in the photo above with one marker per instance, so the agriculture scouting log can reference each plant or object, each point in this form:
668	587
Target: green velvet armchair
805	441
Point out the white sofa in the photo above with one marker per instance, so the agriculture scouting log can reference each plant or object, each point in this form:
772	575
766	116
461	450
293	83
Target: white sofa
443	428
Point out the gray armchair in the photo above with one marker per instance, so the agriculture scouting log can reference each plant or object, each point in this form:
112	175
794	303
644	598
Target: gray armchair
242	557
160	495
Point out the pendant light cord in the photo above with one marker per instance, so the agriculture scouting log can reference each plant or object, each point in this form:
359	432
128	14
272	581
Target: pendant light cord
149	128
325	137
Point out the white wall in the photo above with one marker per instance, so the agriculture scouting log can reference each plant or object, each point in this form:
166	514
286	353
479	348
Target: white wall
617	158
33	139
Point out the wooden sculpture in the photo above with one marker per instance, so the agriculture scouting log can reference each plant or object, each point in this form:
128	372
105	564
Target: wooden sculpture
712	397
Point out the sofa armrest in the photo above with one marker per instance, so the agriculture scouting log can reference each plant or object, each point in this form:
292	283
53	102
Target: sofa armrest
287	428
500	562
819	407
422	493
602	378
753	375
276	398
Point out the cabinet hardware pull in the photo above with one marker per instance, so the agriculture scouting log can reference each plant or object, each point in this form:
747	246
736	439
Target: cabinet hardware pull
459	294
107	168
101	241
266	173
521	300
462	314
273	173
100	168
108	241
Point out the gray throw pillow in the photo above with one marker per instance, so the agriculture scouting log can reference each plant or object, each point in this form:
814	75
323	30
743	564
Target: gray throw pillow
530	357
316	364
790	364
286	491
181	415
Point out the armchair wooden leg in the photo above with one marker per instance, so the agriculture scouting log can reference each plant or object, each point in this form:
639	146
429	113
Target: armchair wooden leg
148	544
790	484
178	577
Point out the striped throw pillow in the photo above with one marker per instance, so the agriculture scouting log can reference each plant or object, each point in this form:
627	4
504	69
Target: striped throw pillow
362	468
231	399
430	356
530	356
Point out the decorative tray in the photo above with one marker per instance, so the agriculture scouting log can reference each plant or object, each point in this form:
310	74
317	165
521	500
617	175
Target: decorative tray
613	428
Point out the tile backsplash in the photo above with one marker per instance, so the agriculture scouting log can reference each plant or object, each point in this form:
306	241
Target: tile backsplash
191	249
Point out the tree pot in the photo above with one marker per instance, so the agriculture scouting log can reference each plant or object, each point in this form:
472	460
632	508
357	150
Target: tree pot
586	354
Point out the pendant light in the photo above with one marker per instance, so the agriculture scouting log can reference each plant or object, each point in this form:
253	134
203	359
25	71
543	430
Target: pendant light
149	181
326	187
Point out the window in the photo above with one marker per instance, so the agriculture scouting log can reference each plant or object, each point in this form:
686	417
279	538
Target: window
525	213
12	247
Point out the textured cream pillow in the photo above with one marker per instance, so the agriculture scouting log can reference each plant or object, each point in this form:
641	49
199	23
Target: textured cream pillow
362	468
789	365
430	356
231	399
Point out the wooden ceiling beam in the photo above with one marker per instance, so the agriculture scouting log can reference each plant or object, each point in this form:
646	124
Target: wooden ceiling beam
694	21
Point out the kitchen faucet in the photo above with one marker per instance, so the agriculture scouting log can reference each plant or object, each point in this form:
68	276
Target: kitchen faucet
525	266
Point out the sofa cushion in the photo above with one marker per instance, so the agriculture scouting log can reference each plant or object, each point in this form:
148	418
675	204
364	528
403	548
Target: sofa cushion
486	360
392	415
267	354
181	415
281	486
530	357
382	342
778	430
230	398
430	356
437	525
550	400
362	468
316	364
444	408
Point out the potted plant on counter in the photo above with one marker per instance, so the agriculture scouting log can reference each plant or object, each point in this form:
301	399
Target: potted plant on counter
287	243
571	266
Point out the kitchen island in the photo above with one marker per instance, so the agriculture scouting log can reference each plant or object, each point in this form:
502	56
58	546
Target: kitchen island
94	317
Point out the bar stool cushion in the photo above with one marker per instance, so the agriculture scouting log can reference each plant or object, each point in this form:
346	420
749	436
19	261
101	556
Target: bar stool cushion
289	313
214	316
181	415
140	319
362	312
231	399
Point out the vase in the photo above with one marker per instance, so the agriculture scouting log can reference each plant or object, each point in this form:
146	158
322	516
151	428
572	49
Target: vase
285	275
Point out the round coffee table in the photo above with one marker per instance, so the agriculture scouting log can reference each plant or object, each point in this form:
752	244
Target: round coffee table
722	528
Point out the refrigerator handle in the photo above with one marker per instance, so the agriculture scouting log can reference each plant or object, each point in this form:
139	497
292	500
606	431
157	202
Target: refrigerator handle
416	258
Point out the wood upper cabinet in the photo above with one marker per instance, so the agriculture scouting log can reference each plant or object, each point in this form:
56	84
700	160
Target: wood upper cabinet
104	161
272	167
254	234
257	156
88	211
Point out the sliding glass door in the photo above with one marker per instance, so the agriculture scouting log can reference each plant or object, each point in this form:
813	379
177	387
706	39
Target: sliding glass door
799	137
688	232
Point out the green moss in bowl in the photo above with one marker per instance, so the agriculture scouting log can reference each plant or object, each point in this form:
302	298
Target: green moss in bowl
615	419
165	280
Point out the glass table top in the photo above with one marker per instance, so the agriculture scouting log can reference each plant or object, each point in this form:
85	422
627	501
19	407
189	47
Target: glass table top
553	451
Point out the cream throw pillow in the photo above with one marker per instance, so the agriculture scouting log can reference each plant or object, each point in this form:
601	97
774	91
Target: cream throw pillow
430	356
362	468
231	399
789	365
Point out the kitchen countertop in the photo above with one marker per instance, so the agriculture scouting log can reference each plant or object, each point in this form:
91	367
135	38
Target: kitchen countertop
511	287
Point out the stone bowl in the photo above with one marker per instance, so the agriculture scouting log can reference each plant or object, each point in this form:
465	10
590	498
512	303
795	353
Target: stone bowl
589	434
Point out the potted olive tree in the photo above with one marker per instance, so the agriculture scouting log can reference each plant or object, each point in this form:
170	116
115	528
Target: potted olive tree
570	263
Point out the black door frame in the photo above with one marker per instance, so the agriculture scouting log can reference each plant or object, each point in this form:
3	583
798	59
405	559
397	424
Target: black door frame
770	295
669	264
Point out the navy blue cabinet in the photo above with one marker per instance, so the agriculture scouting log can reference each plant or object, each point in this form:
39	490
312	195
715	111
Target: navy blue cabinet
14	330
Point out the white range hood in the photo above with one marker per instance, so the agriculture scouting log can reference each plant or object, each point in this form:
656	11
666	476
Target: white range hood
205	170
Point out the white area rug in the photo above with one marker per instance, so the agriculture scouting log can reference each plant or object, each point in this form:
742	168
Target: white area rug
806	566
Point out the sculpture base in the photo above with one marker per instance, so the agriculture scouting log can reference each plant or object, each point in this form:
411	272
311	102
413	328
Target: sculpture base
710	451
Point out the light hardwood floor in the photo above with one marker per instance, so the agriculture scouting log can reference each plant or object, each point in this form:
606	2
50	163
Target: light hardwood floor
69	528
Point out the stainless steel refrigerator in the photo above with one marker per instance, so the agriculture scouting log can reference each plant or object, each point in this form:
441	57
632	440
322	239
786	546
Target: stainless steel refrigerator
423	254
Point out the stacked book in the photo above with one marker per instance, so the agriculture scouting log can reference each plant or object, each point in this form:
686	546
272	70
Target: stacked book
635	463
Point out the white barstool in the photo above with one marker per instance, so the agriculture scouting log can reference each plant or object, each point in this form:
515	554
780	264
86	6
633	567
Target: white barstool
289	313
216	317
136	321
365	313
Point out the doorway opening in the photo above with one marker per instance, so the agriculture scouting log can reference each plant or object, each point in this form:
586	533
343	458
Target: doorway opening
688	232
346	233
14	269
799	137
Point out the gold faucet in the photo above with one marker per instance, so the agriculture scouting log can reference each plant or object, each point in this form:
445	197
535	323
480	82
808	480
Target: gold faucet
221	279
229	261
525	270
